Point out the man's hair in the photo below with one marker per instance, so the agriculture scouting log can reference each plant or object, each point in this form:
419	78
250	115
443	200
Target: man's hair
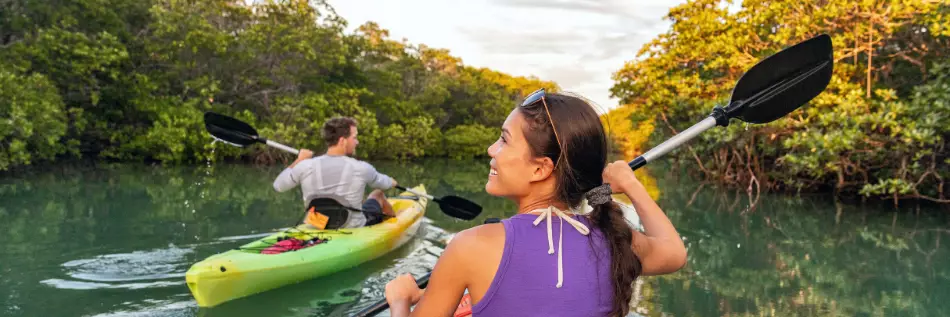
336	128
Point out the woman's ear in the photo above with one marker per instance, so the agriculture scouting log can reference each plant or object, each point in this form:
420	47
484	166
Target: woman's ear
543	168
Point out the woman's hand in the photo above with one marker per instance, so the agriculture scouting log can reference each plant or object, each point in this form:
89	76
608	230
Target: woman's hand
401	293
620	177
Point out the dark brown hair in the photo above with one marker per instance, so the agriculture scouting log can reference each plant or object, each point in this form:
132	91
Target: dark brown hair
336	128
583	148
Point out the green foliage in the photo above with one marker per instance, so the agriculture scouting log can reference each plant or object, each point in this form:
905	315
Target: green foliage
416	138
469	141
135	77
32	119
879	129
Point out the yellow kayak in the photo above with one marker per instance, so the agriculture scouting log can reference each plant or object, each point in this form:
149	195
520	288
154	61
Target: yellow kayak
246	271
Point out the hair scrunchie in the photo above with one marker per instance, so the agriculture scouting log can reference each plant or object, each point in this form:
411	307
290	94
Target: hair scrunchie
599	195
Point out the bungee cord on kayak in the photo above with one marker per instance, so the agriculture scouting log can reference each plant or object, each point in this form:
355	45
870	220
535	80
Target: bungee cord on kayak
289	243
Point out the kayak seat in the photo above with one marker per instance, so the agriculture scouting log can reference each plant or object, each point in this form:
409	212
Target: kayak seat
327	213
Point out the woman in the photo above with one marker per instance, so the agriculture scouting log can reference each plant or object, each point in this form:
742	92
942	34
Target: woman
550	156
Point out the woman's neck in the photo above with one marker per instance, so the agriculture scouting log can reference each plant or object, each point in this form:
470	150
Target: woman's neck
528	204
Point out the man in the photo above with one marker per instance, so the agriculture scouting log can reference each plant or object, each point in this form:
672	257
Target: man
338	176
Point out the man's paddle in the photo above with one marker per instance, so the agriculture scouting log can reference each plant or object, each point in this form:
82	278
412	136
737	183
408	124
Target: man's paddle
460	207
770	90
238	133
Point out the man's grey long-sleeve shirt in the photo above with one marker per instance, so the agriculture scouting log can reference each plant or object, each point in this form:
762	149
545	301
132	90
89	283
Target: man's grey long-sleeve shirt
335	176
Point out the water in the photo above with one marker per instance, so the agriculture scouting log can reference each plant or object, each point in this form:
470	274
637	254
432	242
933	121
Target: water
116	240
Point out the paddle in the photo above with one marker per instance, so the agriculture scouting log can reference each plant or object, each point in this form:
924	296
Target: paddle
382	304
460	207
771	89
238	133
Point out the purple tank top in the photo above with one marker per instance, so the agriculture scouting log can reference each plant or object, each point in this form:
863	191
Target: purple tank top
525	283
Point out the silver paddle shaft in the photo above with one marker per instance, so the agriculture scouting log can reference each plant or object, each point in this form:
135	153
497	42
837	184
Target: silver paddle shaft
679	139
282	147
418	193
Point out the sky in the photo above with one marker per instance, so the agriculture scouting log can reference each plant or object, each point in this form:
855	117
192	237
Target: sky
578	44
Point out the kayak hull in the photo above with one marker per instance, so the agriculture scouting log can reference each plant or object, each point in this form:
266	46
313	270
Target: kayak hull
244	271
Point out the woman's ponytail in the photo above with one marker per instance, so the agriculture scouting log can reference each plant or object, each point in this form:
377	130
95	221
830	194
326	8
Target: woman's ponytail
625	266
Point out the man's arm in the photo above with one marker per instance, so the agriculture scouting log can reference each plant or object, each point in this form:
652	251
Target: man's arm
376	179
290	177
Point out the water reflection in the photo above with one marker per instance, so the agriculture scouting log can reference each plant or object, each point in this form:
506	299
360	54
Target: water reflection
797	256
115	240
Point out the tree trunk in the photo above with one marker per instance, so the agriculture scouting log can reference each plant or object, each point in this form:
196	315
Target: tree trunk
870	55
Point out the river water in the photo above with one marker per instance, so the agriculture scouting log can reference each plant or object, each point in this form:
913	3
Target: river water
116	240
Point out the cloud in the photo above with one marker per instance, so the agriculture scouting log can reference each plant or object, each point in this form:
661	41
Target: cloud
591	29
641	13
577	43
580	46
625	45
499	41
570	76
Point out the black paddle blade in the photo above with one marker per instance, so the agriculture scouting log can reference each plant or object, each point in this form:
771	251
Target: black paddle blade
459	207
783	82
230	130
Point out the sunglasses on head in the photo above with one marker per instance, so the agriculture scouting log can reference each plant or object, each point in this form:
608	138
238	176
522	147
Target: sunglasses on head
534	97
537	95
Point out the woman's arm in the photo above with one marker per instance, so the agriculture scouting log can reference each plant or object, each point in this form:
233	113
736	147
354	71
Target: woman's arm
660	248
446	285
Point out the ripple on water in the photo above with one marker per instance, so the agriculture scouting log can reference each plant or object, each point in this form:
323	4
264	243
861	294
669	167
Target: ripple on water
149	308
164	267
80	285
161	267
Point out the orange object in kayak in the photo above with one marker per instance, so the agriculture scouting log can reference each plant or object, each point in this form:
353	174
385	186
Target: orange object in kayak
465	307
317	219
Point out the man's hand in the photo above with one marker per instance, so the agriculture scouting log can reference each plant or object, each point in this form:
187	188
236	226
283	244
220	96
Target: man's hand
304	154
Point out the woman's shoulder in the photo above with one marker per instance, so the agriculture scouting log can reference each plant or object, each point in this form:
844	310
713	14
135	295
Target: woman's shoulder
471	246
481	236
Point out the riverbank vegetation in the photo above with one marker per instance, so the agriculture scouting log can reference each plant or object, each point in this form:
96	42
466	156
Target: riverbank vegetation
128	80
122	80
880	129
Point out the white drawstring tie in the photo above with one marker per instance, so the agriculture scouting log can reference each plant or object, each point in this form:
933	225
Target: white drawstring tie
546	214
